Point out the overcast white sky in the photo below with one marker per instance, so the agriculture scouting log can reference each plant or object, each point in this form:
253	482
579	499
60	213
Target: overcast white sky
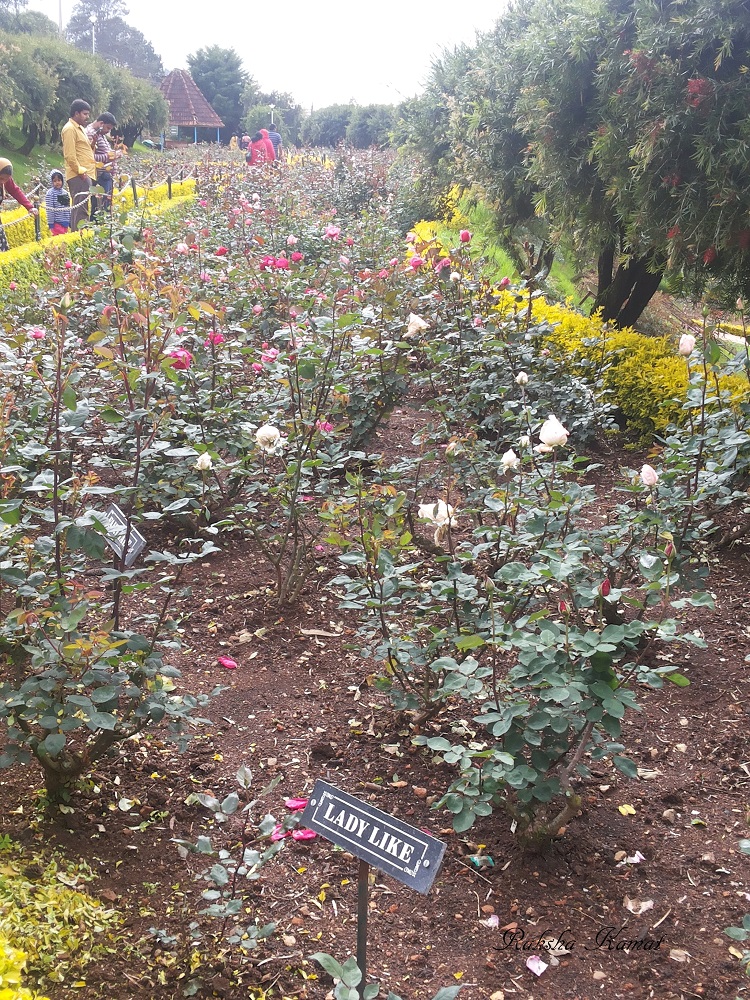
321	51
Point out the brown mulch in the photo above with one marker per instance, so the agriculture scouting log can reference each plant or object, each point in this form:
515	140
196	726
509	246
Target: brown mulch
299	705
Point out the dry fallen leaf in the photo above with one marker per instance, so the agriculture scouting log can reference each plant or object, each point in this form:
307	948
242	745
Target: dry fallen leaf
638	906
679	955
626	810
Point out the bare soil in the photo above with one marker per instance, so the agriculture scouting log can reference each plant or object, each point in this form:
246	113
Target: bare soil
300	705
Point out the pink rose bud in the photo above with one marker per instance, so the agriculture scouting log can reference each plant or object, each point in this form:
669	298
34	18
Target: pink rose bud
183	359
504	282
220	251
257	308
465	236
669	550
12	286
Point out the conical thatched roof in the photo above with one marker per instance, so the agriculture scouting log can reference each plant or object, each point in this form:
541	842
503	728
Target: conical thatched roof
187	106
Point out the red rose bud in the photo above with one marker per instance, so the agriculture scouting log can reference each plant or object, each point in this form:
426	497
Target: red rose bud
669	550
562	607
605	587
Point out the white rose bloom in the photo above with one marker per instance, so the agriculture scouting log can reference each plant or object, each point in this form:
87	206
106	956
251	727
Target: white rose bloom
416	325
510	460
522	378
552	434
455	276
268	437
203	462
440	513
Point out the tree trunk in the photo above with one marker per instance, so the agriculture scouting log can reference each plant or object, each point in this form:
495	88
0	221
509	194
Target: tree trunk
130	133
31	140
629	292
605	264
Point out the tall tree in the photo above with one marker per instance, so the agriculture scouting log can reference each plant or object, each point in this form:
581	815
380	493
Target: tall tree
221	78
113	38
620	125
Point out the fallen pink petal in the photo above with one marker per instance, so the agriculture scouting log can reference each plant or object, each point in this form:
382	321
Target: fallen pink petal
278	833
303	834
536	965
227	662
296	805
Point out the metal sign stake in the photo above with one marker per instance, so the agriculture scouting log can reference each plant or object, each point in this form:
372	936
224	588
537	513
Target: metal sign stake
362	893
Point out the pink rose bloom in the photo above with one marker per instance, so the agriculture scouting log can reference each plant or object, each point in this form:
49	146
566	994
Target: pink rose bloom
236	210
323	426
205	276
295	805
477	322
465	236
227	662
55	279
344	260
292	241
504	282
415	262
214	338
293	313
332	232
12	286
297	257
37	334
256	366
303	834
203	203
180	329
183	359
383	273
68	264
221	251
282	264
349	241
393	262
442	264
257	308
270	355
411	237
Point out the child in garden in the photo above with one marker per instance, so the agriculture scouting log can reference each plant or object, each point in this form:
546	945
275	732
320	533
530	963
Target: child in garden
57	204
9	189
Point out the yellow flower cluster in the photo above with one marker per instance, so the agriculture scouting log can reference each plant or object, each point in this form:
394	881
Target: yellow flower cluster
12	964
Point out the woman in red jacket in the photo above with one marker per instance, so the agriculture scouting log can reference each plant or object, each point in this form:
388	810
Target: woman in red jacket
270	151
9	189
256	153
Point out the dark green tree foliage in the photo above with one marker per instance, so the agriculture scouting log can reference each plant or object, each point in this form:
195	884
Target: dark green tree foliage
327	126
115	40
621	125
221	78
371	125
44	75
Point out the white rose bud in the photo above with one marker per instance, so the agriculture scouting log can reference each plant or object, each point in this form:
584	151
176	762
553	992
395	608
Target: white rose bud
522	378
510	460
416	325
455	276
203	462
524	441
687	345
649	476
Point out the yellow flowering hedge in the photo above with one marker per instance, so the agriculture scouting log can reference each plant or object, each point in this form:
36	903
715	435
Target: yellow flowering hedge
645	376
24	262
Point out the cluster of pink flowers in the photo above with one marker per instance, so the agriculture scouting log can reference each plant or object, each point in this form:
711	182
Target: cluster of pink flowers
214	339
324	426
269	354
270	263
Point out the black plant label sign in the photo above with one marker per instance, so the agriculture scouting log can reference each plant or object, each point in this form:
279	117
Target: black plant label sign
411	856
116	523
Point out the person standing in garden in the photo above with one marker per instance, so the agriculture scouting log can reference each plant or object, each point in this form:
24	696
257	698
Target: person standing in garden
256	153
57	204
80	165
104	155
9	189
270	151
275	138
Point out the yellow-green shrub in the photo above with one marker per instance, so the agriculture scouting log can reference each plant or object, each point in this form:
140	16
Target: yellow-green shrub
644	376
12	965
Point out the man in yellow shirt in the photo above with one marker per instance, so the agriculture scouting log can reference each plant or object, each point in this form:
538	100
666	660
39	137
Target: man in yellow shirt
80	165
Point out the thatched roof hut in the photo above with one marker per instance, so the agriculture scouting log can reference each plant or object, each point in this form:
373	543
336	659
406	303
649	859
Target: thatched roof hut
188	108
